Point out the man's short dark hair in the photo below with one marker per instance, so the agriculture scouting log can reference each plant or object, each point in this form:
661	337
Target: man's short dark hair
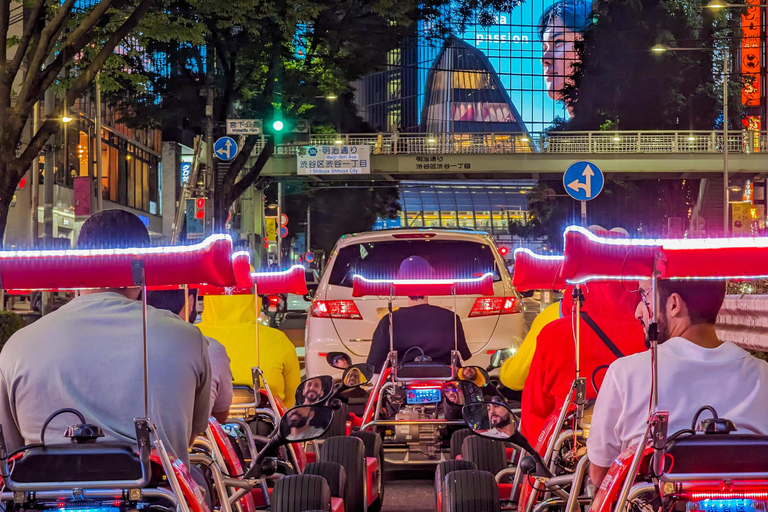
169	300
702	298
113	229
575	15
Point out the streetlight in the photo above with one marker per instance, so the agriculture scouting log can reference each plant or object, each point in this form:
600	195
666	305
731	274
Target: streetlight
726	60
716	5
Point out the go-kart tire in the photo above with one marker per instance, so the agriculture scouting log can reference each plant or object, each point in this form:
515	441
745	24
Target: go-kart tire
334	474
297	493
487	454
338	423
457	438
445	467
374	447
470	490
350	453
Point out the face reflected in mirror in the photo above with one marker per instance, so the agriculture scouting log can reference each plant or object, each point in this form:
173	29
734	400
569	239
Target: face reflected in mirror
339	360
490	419
314	390
305	422
453	394
474	374
357	375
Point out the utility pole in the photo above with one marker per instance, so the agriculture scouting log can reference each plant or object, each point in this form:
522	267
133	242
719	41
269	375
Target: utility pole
279	234
47	298
309	231
99	168
211	177
35	190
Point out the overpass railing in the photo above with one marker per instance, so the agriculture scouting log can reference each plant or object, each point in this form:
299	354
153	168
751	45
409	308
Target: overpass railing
622	142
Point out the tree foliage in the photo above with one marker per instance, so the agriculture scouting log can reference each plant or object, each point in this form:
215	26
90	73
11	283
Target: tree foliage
622	84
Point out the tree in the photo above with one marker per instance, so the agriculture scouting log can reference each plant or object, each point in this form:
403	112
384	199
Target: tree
622	84
274	60
55	36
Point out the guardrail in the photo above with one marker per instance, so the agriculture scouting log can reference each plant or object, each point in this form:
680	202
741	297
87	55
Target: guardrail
619	142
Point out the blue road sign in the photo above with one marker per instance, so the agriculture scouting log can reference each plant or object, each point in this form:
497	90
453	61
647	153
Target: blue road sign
225	148
310	257
186	171
583	181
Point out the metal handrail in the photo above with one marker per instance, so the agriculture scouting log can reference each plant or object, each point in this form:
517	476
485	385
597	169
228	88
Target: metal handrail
602	142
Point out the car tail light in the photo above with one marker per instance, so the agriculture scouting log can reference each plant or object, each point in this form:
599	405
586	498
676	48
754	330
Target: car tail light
339	309
414	235
489	306
274	300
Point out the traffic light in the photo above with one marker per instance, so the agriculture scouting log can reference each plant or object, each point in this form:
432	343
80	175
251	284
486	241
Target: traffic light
200	208
278	125
503	251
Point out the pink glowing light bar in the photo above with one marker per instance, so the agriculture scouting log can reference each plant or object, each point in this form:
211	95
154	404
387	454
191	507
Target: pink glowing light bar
362	286
537	272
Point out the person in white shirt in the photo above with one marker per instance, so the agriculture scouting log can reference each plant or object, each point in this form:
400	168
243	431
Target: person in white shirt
695	369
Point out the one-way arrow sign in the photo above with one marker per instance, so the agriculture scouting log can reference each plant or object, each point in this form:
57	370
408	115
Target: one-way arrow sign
583	181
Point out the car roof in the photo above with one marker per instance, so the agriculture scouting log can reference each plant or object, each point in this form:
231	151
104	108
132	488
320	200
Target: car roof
438	234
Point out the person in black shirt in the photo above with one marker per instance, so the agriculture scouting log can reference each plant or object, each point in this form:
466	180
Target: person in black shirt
431	328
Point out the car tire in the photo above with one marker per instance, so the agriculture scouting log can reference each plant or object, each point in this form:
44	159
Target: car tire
333	473
487	454
338	426
350	453
470	490
445	467
457	438
297	493
374	447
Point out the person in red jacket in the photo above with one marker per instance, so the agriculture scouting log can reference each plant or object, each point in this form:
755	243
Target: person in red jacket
611	306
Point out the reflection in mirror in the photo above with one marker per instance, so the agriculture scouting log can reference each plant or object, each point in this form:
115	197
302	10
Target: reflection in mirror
357	375
339	360
314	390
460	393
490	419
498	357
305	422
474	374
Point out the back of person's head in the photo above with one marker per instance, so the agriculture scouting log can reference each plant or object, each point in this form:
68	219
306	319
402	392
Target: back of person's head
575	15
703	299
415	268
169	300
113	229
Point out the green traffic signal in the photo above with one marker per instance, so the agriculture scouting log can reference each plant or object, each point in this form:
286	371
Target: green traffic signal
278	125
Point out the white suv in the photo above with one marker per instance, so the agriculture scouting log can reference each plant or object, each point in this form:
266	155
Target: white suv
337	322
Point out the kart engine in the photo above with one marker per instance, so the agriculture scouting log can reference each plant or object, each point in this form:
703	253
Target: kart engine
421	438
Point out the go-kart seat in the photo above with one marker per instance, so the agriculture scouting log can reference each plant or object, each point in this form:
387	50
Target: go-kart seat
708	456
98	465
423	370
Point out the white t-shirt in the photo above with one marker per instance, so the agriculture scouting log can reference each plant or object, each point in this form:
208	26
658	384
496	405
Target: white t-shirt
728	378
89	355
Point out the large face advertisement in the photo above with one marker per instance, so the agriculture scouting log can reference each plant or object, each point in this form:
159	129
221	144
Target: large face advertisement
528	51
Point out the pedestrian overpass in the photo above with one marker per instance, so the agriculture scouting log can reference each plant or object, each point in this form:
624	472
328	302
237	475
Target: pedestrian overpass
474	156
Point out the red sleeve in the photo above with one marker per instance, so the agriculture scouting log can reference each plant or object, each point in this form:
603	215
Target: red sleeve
550	378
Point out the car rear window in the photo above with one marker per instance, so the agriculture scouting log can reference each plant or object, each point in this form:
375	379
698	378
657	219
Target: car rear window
381	260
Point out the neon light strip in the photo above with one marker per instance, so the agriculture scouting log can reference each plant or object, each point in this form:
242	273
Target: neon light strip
143	251
277	273
675	243
744	277
423	281
241	253
734	495
538	256
608	278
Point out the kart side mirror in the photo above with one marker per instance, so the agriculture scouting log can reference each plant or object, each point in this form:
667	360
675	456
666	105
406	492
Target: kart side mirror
490	419
305	422
357	375
459	393
339	360
314	390
474	374
498	357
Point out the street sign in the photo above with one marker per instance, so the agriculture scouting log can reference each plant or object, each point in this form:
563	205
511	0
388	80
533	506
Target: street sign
244	127
283	231
583	181
225	148
337	159
310	257
283	219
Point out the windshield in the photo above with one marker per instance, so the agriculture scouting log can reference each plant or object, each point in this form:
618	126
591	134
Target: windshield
381	260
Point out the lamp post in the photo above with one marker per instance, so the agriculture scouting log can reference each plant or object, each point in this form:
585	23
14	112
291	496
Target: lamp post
726	62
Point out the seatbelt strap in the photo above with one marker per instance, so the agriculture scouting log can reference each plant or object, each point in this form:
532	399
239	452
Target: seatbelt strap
600	334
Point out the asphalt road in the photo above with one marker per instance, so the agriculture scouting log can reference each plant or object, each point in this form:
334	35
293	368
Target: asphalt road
409	491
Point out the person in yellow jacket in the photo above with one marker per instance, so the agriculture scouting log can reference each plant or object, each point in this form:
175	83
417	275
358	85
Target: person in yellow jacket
231	319
514	371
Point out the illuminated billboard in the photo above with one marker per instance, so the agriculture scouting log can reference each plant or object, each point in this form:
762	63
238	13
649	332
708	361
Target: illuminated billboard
530	51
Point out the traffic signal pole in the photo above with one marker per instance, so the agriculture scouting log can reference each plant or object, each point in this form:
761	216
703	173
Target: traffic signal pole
279	234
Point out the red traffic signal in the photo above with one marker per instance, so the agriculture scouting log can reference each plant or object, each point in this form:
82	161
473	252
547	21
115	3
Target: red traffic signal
200	208
503	251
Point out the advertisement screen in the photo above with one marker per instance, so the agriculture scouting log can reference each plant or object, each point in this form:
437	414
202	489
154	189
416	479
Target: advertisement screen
528	53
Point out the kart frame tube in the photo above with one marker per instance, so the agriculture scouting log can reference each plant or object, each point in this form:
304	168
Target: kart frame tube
96	494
